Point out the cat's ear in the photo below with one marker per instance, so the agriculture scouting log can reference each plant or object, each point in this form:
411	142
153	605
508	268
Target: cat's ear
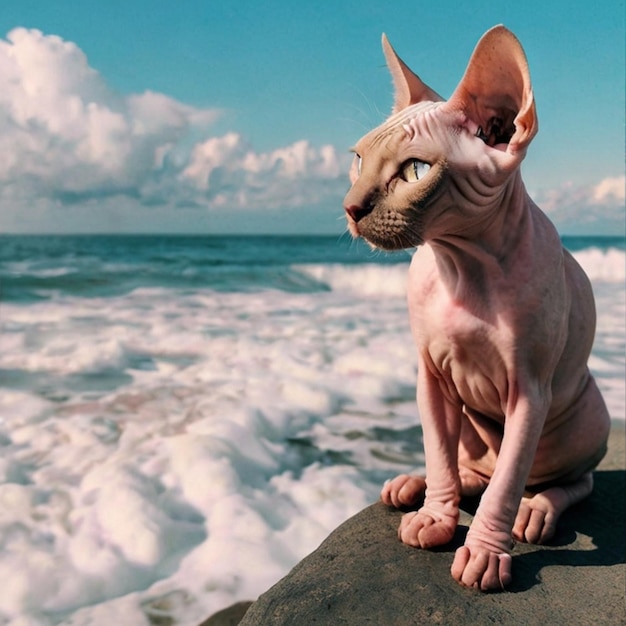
409	88
495	92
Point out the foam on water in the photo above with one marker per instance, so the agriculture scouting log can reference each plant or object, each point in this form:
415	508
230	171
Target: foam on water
366	280
209	473
603	265
166	452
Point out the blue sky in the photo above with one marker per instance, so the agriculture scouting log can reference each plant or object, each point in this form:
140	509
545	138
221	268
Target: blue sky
205	116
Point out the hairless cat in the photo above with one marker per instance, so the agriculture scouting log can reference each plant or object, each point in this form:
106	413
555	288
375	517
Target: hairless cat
502	316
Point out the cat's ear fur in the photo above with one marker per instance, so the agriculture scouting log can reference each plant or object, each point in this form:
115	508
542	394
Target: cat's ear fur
496	86
409	88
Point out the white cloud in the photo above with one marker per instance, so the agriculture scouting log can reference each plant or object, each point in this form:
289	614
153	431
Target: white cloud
229	172
64	134
610	190
66	138
586	209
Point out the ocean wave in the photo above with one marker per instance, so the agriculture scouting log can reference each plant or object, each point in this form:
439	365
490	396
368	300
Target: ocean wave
390	280
362	279
603	265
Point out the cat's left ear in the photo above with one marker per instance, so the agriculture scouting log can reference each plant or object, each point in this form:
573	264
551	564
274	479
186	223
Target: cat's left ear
409	88
496	94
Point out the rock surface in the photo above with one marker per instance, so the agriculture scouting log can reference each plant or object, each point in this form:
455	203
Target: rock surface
362	574
230	616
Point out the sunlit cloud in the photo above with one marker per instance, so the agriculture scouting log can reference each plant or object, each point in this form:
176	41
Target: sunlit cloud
67	138
610	191
226	171
578	208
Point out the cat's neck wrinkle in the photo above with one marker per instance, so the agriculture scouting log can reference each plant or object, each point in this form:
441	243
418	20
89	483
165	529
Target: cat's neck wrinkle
501	223
489	246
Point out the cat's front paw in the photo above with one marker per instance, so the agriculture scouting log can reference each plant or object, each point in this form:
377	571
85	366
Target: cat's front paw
484	562
421	529
479	567
403	490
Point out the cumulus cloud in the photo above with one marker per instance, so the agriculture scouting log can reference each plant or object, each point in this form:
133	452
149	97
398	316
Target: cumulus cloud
64	133
577	208
66	138
610	190
228	172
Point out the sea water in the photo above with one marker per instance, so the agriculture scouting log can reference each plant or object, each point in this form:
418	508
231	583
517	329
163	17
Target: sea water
182	419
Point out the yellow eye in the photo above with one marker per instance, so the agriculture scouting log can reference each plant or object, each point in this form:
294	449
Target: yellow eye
414	170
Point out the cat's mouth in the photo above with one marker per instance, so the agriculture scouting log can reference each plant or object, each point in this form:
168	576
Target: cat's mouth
388	229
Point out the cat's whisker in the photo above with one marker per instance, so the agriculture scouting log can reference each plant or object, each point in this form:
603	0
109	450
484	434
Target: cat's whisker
348	120
343	235
374	111
374	108
380	114
352	241
367	102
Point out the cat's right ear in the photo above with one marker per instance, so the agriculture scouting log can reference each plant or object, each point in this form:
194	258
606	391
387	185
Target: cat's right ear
495	92
409	88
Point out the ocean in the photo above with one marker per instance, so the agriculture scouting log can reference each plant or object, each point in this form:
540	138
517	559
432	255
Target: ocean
182	419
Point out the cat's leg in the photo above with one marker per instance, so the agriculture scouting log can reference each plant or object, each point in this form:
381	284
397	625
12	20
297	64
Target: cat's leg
435	522
484	561
535	523
538	515
583	438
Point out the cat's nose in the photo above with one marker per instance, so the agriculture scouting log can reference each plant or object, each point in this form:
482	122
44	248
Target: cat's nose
356	212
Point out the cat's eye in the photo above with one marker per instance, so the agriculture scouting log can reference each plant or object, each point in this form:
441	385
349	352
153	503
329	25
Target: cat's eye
414	170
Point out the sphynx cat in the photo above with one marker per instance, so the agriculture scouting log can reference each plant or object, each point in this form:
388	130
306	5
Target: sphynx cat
503	317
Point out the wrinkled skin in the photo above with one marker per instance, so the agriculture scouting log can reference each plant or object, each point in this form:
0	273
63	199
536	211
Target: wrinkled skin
503	318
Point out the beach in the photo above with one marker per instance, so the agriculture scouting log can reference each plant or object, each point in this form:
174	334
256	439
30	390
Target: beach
183	419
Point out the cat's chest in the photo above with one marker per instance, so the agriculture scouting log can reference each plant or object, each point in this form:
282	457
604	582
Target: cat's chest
470	347
478	309
452	330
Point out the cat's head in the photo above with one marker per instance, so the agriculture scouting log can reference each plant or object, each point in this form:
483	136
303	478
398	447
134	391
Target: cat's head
436	167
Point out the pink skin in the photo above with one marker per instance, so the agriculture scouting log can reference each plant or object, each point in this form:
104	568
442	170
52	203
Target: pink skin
503	318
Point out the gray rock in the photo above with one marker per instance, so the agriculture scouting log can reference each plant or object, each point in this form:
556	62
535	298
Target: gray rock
230	616
362	574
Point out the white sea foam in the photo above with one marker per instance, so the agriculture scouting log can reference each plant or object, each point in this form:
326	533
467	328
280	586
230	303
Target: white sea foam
603	265
237	432
366	280
390	280
183	482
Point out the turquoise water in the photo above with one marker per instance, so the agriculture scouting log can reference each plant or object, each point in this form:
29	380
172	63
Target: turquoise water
34	268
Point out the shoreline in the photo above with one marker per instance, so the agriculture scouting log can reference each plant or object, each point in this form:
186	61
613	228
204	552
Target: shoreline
585	559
